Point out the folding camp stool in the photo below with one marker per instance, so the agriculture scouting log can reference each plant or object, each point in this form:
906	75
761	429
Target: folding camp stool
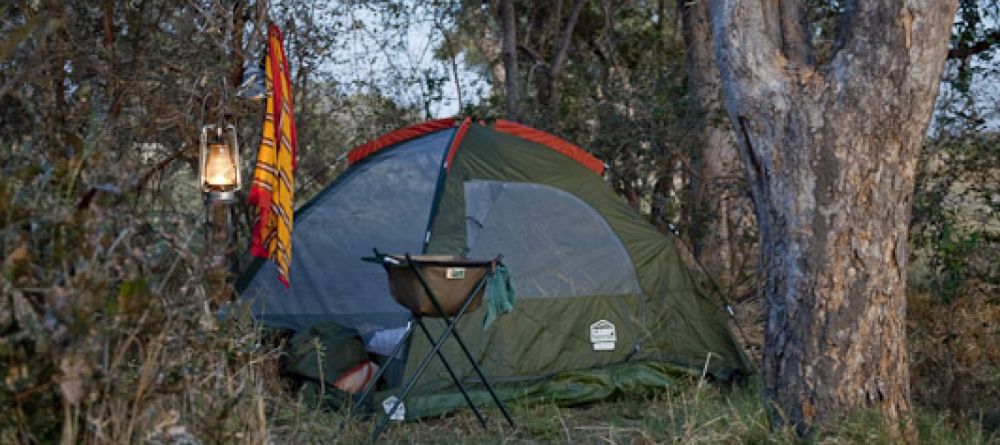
437	286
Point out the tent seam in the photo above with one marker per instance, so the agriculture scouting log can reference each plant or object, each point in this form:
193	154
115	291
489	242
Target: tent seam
444	169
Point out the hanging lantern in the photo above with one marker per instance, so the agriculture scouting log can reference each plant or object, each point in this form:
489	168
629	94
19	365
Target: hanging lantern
220	163
252	83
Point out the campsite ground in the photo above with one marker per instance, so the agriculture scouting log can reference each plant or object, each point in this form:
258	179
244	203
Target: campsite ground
109	290
690	413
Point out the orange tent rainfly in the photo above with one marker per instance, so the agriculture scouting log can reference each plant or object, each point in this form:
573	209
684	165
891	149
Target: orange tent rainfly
273	182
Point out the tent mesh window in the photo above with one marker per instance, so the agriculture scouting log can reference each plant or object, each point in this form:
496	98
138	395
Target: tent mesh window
384	202
554	243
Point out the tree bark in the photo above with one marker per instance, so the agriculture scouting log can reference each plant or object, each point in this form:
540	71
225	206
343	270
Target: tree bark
720	211
830	155
508	54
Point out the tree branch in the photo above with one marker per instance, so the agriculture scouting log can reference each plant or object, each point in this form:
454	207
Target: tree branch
562	52
537	56
139	183
964	51
452	58
236	71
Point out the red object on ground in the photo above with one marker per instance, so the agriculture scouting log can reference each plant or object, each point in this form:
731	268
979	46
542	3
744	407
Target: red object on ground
356	379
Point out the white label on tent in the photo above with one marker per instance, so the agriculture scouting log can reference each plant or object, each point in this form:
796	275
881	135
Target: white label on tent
604	346
602	335
400	413
454	273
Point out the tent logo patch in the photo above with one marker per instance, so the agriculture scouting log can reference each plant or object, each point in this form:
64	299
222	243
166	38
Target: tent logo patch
603	336
454	273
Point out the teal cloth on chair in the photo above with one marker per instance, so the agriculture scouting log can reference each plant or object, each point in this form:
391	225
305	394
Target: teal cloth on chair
501	297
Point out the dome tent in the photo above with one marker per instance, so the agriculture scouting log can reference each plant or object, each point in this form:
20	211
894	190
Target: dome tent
580	257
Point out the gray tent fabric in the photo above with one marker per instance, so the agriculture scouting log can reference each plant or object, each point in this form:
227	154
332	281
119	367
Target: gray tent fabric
555	245
383	202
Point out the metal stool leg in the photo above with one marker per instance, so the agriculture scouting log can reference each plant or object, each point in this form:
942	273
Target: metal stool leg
486	382
451	324
436	347
454	377
392	356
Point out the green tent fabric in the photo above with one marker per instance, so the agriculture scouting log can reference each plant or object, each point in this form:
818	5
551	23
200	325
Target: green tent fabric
565	388
598	287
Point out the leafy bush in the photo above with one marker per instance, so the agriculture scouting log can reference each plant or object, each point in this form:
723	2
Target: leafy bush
954	305
104	325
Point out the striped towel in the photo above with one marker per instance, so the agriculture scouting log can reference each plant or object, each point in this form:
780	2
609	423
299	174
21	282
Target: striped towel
273	181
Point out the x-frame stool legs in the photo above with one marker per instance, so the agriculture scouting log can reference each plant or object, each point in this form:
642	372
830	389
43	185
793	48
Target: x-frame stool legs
436	344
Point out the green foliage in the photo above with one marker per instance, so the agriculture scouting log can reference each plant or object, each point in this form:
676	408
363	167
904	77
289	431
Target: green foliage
953	309
108	328
954	230
106	332
951	250
621	95
103	335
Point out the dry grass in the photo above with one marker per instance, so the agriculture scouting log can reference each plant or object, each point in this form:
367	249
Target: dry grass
687	414
955	354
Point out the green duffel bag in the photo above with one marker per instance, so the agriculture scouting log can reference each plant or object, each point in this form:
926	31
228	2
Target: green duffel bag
323	352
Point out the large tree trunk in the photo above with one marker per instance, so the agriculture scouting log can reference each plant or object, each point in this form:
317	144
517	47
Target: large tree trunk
830	155
721	213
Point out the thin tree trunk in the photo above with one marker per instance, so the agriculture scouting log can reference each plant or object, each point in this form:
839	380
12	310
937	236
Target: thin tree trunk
830	155
508	54
548	81
453	58
236	72
720	211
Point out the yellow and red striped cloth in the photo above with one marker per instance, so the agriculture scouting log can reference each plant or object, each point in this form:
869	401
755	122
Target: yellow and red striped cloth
273	186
